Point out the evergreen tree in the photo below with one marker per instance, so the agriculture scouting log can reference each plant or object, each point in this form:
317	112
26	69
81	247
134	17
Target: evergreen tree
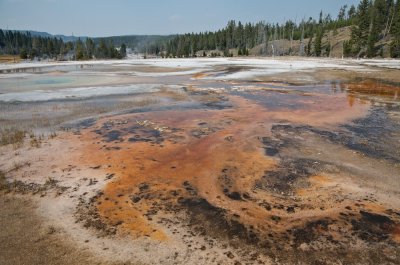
2	39
90	48
342	13
352	12
318	43
23	54
320	18
80	50
380	14
395	45
360	31
372	37
309	46
328	50
364	20
123	50
347	49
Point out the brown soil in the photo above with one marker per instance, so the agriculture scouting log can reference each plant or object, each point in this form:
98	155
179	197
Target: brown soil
25	239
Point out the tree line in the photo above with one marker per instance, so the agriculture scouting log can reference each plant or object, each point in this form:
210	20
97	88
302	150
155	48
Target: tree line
373	23
376	21
29	47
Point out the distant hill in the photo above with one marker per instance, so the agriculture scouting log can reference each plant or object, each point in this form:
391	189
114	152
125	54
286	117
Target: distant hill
32	44
58	36
135	42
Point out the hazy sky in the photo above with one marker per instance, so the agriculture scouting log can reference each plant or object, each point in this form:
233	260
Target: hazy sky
123	17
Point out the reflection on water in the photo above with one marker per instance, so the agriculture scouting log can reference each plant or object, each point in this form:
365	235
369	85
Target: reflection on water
368	90
373	88
274	97
367	87
109	85
48	69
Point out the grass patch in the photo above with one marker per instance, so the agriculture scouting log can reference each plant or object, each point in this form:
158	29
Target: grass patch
35	141
18	165
9	58
51	182
12	136
3	181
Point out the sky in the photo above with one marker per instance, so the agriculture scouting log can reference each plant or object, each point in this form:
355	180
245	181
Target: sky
100	18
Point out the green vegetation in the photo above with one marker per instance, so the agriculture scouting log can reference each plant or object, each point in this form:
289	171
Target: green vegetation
16	137
139	43
372	22
395	45
29	47
35	142
318	43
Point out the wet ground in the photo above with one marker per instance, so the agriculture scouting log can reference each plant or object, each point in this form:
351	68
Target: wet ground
227	162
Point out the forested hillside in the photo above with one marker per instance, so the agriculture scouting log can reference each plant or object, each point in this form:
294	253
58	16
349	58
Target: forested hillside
374	26
27	46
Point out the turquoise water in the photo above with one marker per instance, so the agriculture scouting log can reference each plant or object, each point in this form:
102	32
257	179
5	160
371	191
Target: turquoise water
45	81
53	81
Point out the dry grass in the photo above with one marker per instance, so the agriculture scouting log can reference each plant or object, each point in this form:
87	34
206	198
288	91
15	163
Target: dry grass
36	141
9	59
18	165
12	136
16	137
3	180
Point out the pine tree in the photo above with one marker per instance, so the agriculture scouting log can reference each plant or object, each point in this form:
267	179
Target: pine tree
328	50
364	20
318	43
360	31
123	50
24	54
309	46
380	14
90	48
396	22
352	12
395	45
373	34
79	50
342	13
2	39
